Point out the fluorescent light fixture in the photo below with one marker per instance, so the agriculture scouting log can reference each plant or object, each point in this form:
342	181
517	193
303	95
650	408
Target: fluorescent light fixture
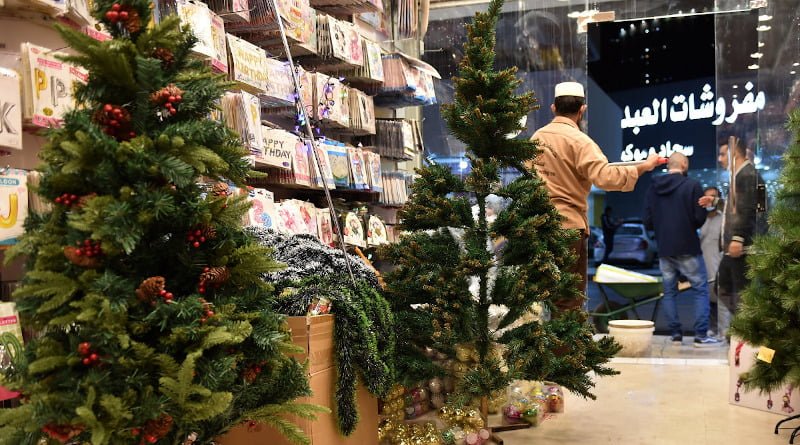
735	87
757	55
761	44
764	18
796	64
763	28
792	72
753	67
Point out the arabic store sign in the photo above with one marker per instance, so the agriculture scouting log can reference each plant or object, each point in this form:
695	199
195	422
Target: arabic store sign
683	109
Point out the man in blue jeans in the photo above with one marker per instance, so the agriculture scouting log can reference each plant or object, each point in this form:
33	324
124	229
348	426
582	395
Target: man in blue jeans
671	210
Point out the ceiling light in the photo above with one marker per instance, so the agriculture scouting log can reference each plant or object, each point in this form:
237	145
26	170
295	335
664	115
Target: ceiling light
756	55
796	64
763	28
761	44
735	87
764	18
753	67
574	14
792	72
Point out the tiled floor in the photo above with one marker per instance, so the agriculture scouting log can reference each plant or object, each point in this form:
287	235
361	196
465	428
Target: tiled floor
677	396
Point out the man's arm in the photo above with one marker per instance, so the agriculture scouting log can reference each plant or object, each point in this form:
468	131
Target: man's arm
593	164
699	213
743	225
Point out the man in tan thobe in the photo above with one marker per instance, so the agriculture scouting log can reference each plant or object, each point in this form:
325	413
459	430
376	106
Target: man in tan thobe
570	163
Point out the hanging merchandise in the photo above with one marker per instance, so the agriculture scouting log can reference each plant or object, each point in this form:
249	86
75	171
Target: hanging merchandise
13	204
339	44
10	109
209	29
397	139
279	147
394	189
357	168
332	102
407	82
248	65
262	211
262	28
47	85
353	230
290	222
280	89
231	10
326	175
374	61
242	113
348	7
9	323
308	218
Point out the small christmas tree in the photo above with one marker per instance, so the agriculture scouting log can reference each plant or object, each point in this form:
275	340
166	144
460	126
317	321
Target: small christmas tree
492	332
768	312
153	320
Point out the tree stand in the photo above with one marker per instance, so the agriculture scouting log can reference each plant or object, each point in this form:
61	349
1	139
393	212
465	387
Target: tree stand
796	431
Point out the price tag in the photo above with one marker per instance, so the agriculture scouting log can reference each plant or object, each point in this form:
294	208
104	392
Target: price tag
765	354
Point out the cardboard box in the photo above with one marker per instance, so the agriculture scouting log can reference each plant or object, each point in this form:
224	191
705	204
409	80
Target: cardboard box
741	357
315	336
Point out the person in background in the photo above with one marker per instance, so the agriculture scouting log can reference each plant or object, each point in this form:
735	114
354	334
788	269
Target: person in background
609	228
738	227
710	244
570	162
671	210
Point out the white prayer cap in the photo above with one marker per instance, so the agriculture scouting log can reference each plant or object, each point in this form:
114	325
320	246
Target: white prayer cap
569	89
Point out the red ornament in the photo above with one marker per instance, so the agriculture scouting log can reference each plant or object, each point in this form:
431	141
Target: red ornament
107	108
116	7
94	357
87	361
196	244
151	439
123	15
136	431
112	16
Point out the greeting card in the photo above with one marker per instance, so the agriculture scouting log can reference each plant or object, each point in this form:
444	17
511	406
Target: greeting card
10	110
353	230
248	65
47	85
300	166
279	147
325	176
262	211
13	204
209	29
290	221
325	227
280	88
373	161
308	216
340	165
372	58
358	169
376	232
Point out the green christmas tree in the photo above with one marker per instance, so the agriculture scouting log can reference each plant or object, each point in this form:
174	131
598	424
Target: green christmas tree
153	320
768	312
447	249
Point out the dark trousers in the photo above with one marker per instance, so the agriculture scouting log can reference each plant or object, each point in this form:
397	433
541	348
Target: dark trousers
580	249
731	280
608	240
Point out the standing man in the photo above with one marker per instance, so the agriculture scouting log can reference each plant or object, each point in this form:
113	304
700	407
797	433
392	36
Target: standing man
738	228
609	228
710	244
570	162
671	210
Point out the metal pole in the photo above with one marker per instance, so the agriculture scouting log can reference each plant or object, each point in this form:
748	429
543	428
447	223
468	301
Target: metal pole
300	106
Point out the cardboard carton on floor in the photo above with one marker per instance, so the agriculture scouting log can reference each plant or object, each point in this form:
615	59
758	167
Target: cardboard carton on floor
741	357
315	336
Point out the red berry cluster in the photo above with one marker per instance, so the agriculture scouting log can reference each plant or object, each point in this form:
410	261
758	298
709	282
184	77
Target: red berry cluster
148	438
66	199
89	357
168	97
167	296
62	433
116	121
196	238
207	312
116	14
88	248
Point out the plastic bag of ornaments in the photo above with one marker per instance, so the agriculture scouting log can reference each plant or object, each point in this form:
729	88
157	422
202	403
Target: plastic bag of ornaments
555	397
393	405
417	402
526	401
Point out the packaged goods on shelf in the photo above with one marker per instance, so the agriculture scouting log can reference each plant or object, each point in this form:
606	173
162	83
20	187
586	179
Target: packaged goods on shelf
325	227
339	44
300	165
262	28
407	82
397	139
263	212
372	70
353	230
248	65
376	232
280	88
358	170
242	113
374	172
340	165
362	112
209	29
394	189
323	176
10	109
332	102
231	10
47	85
348	7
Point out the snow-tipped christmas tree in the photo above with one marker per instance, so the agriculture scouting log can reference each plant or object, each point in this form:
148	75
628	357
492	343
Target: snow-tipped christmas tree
768	313
491	331
152	316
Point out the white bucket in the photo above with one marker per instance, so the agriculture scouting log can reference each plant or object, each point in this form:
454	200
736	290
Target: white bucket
635	336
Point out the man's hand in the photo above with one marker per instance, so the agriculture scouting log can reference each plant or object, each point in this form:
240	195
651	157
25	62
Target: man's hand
706	201
649	164
735	249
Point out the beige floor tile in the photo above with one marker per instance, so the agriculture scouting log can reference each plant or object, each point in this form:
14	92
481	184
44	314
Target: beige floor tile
652	403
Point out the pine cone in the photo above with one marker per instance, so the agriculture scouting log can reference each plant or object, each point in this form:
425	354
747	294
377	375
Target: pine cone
220	189
250	374
150	288
85	199
159	427
134	22
80	260
215	275
160	97
166	56
209	232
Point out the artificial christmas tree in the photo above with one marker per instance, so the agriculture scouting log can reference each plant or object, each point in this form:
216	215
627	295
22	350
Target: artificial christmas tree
490	333
767	314
153	319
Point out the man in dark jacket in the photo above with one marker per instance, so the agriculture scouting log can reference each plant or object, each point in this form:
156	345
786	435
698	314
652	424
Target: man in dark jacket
739	226
671	210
